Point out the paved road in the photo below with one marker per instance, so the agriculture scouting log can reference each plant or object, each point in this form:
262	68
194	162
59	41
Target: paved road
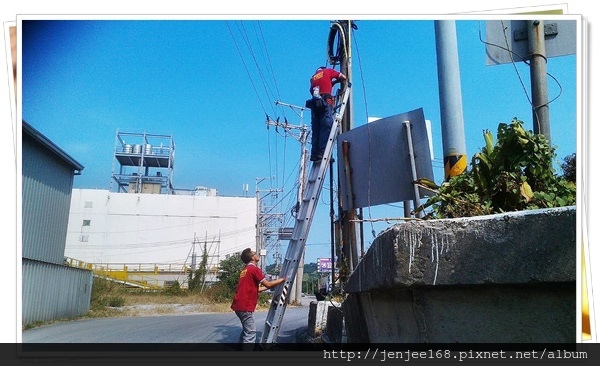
190	328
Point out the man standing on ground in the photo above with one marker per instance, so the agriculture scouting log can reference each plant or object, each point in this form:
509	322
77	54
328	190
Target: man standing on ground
321	86
251	282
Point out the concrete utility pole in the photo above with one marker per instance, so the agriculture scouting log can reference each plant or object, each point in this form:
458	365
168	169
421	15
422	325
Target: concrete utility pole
347	218
451	111
296	291
263	220
302	180
346	68
539	85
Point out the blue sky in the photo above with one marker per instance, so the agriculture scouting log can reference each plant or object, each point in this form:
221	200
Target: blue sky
211	83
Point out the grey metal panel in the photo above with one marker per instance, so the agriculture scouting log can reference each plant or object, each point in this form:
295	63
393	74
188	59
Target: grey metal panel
47	185
51	292
379	160
560	40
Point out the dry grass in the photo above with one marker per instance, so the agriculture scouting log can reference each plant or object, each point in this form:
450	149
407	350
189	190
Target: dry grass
161	303
168	309
112	300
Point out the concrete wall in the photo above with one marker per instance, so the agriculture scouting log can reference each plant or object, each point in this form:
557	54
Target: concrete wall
318	317
500	278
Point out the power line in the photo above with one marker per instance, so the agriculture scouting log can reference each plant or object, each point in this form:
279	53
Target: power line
246	68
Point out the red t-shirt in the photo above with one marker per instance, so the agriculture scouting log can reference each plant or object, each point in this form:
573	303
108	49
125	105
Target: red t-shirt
323	79
246	294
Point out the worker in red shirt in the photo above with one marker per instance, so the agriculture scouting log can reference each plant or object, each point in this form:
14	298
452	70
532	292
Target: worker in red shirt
251	282
321	106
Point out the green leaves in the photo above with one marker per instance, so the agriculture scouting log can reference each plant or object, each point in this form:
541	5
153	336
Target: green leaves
514	174
489	142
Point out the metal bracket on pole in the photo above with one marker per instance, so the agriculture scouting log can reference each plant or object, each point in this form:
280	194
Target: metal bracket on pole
353	253
413	167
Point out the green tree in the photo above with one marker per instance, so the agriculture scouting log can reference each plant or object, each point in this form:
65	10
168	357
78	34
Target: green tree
569	168
227	279
229	271
197	278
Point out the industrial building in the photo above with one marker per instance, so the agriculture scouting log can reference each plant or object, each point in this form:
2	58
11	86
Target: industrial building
50	290
147	233
156	237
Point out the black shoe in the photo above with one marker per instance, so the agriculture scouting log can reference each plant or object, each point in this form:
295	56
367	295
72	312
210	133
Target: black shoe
316	158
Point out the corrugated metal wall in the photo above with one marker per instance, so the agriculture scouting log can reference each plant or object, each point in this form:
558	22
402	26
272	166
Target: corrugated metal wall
53	291
50	290
47	184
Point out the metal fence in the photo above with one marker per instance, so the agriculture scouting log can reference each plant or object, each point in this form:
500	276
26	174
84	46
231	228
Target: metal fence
52	291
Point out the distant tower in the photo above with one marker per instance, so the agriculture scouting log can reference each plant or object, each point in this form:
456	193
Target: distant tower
145	163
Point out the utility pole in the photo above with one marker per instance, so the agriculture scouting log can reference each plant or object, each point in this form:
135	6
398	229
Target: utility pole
263	219
349	240
302	137
534	41
301	185
537	52
451	111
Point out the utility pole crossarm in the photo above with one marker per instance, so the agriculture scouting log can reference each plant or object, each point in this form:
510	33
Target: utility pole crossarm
288	127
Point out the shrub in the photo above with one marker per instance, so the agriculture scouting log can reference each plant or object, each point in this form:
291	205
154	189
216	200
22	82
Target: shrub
569	168
227	279
174	289
116	301
106	293
514	174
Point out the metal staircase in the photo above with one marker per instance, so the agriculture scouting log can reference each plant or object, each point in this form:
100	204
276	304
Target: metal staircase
304	219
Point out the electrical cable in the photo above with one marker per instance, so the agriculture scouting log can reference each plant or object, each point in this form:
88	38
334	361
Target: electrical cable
246	68
525	61
369	132
336	29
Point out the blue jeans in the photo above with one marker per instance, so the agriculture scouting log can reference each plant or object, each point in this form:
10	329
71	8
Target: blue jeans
248	334
321	122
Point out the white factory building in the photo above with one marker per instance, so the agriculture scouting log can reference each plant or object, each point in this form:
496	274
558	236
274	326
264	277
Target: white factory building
148	228
162	231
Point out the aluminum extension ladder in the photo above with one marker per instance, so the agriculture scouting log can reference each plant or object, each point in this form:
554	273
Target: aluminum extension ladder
304	219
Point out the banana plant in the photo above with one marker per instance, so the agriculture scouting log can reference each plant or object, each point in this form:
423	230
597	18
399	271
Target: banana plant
512	174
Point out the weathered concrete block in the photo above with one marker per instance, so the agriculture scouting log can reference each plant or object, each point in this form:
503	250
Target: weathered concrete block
354	321
317	316
498	278
516	247
335	324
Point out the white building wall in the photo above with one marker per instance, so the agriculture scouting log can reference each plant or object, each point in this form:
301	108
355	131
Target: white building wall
129	228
